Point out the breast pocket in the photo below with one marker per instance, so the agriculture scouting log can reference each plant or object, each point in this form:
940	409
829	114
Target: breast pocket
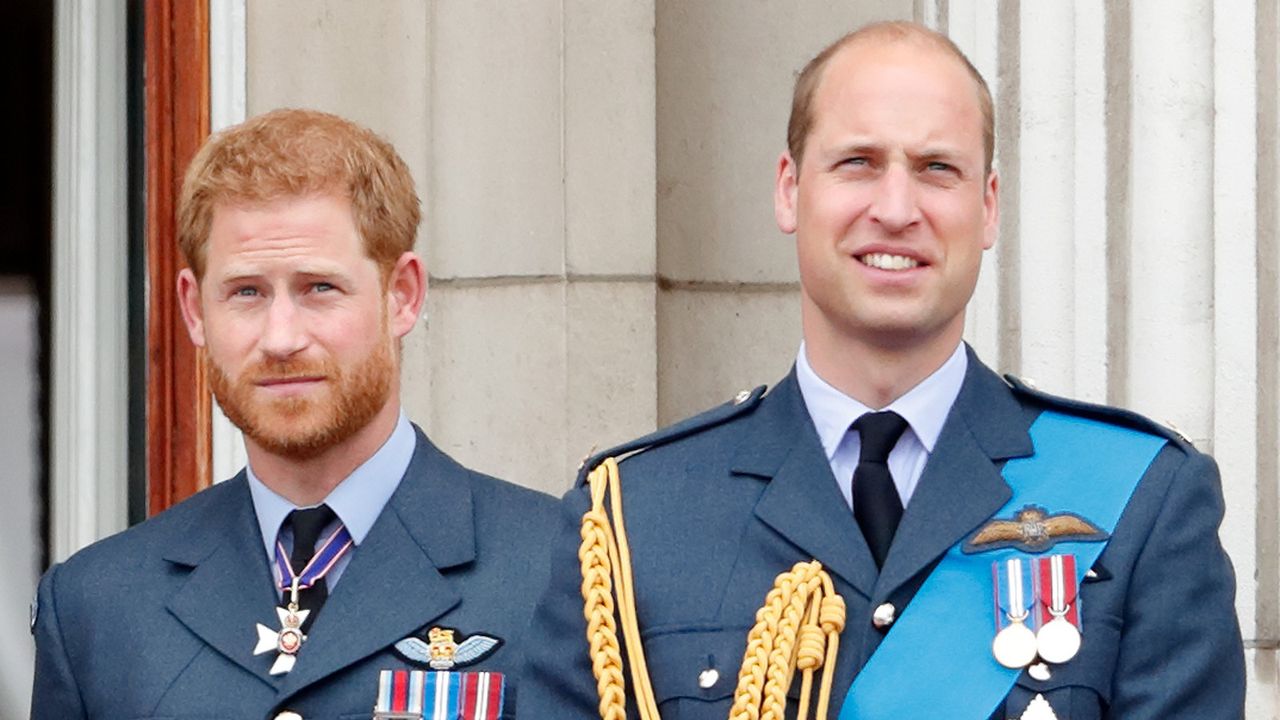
1079	689
694	670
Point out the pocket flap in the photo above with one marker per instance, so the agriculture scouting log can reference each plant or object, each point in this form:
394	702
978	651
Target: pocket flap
694	663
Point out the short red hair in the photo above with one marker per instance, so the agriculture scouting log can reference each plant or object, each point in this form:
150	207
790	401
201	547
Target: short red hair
291	153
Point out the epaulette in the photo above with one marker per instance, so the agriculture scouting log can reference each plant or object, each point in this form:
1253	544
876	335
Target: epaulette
741	404
1105	413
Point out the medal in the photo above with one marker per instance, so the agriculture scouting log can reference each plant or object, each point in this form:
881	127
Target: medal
287	641
1015	644
1058	639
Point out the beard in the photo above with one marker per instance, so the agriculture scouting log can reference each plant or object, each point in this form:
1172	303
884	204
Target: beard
301	428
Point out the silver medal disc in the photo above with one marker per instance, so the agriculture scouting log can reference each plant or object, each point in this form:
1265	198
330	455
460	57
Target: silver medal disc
1058	641
1014	646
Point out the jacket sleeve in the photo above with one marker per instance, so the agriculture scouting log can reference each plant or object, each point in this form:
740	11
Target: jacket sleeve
1181	654
557	681
55	694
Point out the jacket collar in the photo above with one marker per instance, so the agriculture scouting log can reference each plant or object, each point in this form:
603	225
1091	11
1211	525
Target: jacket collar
961	485
392	587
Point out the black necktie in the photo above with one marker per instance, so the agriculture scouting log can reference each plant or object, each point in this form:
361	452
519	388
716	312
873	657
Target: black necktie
307	525
876	505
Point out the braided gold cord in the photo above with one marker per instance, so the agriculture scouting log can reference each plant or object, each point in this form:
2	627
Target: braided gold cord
782	658
797	628
620	554
597	595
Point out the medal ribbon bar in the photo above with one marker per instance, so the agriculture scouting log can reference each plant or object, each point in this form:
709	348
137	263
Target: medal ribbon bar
1057	589
1015	595
439	695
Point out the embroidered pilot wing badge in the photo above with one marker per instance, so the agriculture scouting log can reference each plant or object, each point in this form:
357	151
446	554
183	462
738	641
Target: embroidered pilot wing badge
441	649
1033	530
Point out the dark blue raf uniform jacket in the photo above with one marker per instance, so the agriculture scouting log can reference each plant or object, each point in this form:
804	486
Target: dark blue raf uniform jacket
159	621
717	506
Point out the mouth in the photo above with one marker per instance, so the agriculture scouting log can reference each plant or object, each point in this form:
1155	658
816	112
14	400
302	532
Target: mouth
289	384
888	261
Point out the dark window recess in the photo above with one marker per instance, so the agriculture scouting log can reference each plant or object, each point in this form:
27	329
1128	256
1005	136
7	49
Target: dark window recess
26	200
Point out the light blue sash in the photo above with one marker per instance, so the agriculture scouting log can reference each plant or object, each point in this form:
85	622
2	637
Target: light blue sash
936	662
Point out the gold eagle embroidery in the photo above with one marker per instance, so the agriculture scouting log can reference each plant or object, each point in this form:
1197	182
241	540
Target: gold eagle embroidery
1034	530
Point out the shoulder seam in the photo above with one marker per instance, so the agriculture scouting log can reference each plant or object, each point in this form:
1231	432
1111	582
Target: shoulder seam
1097	411
743	403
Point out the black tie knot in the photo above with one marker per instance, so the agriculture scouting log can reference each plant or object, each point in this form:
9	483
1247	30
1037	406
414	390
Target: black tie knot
307	526
879	432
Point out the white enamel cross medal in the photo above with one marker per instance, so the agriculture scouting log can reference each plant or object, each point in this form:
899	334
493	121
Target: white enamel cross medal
288	639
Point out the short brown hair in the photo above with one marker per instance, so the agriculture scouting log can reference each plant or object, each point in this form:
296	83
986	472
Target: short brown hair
801	121
291	153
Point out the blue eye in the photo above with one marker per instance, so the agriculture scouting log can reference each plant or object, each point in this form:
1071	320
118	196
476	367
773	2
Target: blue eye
323	287
246	292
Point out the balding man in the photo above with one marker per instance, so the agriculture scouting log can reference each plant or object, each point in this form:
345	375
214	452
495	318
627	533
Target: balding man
893	531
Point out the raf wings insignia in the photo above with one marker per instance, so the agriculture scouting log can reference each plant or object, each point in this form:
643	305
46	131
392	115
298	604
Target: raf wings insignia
440	651
1033	530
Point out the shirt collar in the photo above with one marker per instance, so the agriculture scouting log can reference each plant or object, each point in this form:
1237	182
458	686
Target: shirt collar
357	500
924	407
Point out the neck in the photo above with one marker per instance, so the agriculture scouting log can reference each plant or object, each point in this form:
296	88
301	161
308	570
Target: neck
875	374
309	481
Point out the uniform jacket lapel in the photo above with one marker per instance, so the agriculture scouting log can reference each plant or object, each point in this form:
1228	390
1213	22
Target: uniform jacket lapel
228	590
393	586
961	486
802	501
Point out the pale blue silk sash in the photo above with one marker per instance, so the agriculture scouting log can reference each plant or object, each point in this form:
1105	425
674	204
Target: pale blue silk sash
936	661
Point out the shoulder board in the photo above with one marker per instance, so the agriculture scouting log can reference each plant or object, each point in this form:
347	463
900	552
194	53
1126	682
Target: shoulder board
1105	413
742	403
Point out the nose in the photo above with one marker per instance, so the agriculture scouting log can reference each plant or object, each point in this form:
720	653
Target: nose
284	334
895	205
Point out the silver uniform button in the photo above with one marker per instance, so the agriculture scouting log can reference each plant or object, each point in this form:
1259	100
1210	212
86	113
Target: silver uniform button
742	397
708	678
884	616
288	715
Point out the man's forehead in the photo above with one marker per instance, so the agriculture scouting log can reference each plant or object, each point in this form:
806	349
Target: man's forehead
281	223
864	60
258	242
873	80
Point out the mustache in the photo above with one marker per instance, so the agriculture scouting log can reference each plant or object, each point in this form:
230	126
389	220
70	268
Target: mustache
287	369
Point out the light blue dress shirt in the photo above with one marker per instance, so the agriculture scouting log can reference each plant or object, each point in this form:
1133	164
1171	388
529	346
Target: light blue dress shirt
924	407
357	500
